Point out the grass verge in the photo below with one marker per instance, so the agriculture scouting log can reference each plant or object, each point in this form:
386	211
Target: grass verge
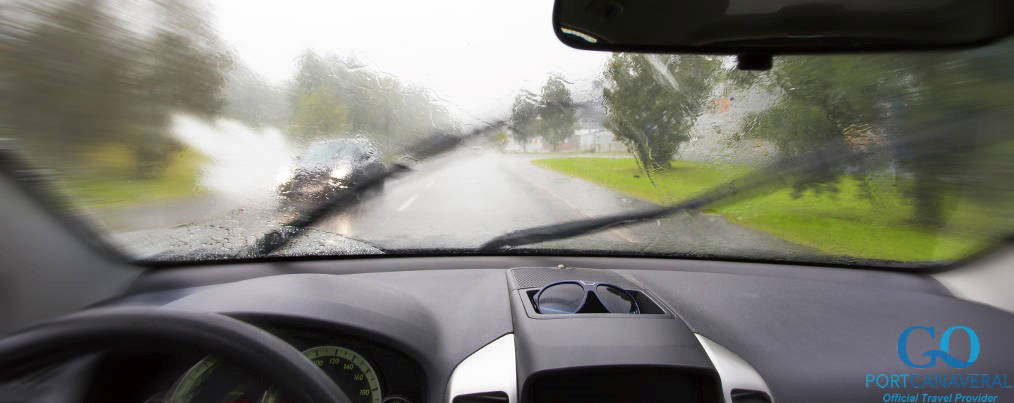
112	188
842	223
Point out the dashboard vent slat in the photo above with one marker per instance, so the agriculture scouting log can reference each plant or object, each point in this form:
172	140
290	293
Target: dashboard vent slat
484	397
749	396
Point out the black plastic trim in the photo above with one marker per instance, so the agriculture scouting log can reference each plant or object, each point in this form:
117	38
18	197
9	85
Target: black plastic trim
771	50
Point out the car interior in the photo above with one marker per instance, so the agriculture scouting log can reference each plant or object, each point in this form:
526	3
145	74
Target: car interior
491	320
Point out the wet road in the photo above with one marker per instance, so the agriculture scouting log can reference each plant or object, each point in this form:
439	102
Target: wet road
458	201
463	200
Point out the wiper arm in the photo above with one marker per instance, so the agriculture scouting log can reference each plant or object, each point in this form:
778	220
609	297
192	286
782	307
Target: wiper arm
421	150
741	188
277	238
819	163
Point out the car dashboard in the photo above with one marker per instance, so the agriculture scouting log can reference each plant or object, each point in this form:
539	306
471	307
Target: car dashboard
464	329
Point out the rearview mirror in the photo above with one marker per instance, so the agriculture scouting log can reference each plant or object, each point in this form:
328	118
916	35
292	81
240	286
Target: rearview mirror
779	26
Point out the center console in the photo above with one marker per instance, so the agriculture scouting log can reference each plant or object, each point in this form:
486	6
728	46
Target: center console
651	356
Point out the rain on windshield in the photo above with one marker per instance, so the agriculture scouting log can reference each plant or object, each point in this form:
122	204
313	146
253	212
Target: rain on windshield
187	130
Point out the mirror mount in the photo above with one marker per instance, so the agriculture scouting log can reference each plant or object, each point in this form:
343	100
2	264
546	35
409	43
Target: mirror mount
754	62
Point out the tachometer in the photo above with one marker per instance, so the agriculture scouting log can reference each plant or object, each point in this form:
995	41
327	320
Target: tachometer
349	370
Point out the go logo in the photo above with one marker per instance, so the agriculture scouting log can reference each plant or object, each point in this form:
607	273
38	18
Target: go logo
945	347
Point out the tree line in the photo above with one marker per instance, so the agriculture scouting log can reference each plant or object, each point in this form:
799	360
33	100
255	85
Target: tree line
80	75
874	101
76	75
821	102
332	96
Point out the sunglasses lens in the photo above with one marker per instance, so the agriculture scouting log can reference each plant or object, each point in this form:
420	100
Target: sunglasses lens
561	299
614	299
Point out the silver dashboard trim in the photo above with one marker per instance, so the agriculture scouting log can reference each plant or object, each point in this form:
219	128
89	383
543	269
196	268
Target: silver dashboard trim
493	368
734	371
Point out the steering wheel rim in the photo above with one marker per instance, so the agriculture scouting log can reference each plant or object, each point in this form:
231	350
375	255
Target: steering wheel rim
240	343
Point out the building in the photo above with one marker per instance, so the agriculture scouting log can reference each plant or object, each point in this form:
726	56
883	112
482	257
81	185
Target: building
598	141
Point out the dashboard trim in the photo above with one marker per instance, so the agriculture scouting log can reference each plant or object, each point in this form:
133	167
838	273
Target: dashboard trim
493	368
733	371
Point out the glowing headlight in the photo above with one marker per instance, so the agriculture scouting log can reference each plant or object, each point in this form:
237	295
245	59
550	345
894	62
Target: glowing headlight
283	176
341	171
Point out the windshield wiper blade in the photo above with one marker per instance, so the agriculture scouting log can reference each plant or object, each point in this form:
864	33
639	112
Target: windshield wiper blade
737	189
420	150
820	163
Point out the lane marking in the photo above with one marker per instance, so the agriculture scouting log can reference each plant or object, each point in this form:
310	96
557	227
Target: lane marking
408	202
430	183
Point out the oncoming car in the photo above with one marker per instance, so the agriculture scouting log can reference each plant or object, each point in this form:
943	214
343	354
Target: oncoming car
331	166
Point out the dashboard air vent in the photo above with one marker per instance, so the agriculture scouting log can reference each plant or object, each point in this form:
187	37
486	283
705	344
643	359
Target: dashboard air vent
485	397
749	396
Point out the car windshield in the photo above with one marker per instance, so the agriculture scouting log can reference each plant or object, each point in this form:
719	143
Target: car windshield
175	129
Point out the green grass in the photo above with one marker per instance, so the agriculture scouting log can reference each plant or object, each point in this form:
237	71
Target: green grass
843	223
115	186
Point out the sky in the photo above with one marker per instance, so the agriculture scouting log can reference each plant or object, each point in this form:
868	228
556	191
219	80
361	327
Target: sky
474	54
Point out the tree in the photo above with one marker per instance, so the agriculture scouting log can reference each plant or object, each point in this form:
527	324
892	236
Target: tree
317	107
825	102
251	100
318	114
78	76
556	114
37	98
331	96
834	101
189	65
823	98
971	87
653	101
523	117
184	70
500	140
312	75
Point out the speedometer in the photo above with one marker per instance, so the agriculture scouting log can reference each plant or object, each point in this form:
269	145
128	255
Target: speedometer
349	370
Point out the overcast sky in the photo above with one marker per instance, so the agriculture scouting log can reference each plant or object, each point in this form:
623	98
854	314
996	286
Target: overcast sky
475	54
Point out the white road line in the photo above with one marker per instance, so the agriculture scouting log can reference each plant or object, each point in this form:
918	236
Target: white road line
408	202
430	183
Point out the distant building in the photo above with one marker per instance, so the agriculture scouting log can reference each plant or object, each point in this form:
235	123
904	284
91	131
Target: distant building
599	141
592	135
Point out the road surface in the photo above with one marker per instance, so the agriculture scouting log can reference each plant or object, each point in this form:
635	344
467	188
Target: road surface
465	199
458	201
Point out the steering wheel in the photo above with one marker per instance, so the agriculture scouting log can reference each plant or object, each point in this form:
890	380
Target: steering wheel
240	343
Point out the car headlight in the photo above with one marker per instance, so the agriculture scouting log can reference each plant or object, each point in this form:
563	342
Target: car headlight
341	171
283	176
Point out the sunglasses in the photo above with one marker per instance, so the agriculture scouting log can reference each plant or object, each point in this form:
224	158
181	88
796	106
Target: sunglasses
567	297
